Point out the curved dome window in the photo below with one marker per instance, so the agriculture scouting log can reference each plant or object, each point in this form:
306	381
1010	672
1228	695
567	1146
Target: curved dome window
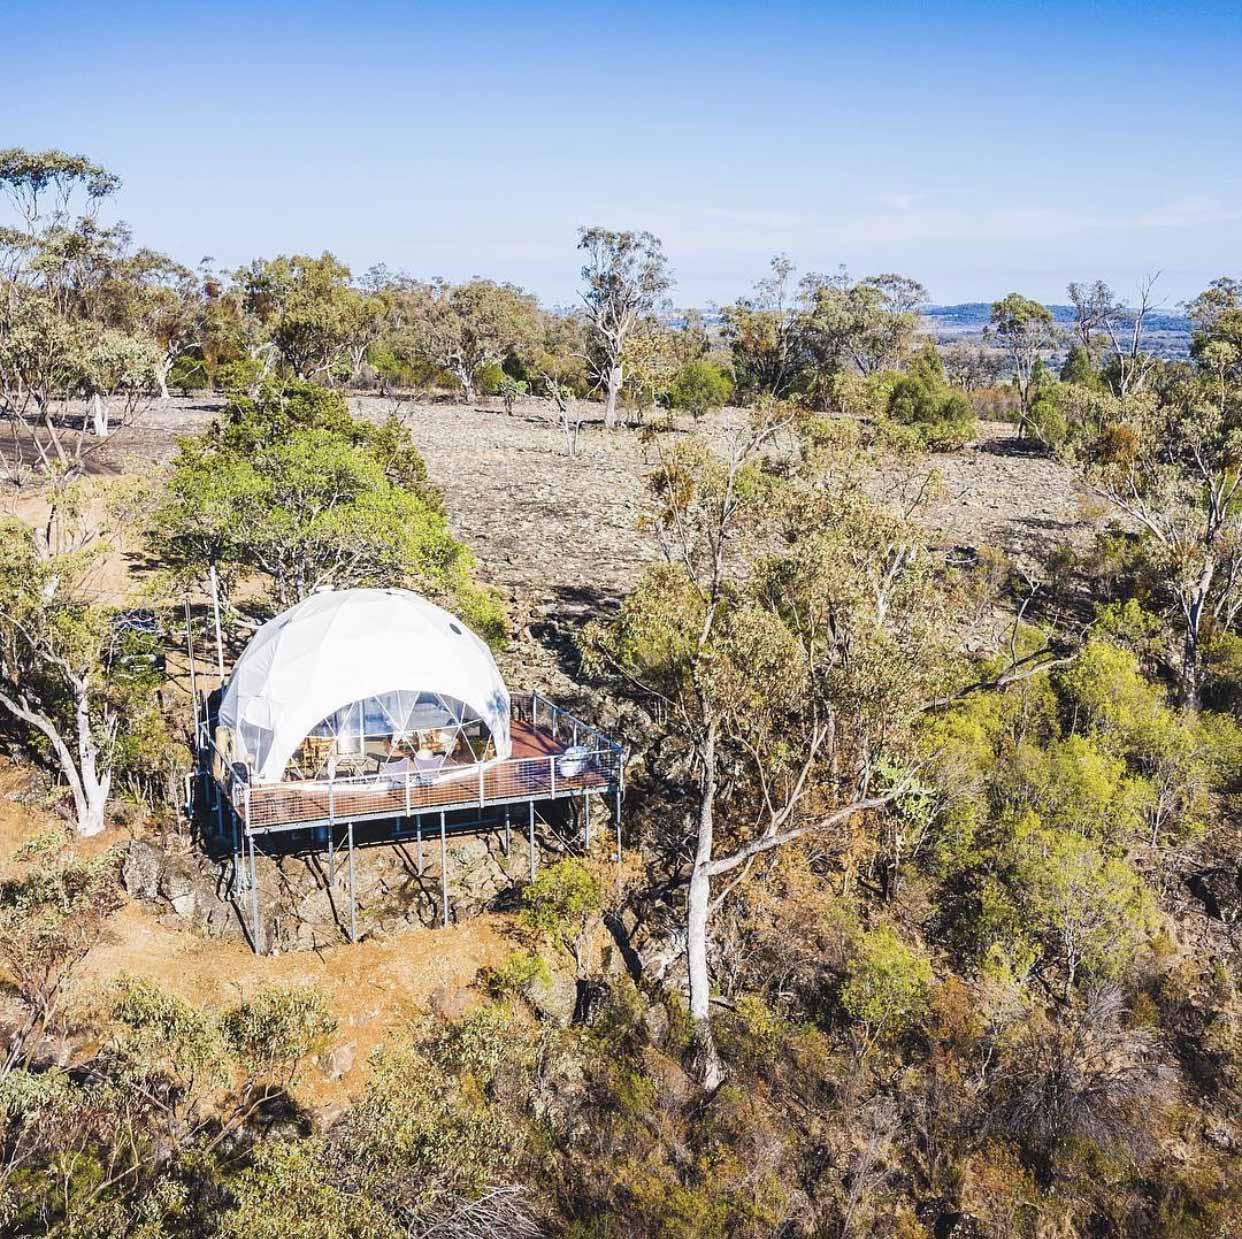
400	730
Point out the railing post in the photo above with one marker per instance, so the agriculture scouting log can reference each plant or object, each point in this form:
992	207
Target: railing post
552	770
480	785
407	793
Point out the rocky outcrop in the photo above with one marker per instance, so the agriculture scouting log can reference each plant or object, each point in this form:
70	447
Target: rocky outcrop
187	884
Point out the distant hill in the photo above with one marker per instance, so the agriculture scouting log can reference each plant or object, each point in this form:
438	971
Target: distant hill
1168	335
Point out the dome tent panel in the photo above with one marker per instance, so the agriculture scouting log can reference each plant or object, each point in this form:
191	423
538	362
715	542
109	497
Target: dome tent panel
387	651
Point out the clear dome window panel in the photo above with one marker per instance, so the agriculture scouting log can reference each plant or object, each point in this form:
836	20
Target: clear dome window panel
349	728
375	718
403	705
255	741
453	708
428	712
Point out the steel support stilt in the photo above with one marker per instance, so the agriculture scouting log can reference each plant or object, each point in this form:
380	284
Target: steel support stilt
532	841
353	906
617	814
256	925
508	833
443	870
418	843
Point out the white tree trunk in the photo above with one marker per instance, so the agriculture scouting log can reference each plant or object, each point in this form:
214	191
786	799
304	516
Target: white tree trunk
161	376
99	416
466	378
89	788
95	787
615	379
707	1063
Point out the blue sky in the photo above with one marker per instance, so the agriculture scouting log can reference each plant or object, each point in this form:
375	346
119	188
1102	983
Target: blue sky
979	147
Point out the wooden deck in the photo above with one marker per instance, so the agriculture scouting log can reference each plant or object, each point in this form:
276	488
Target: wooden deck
537	770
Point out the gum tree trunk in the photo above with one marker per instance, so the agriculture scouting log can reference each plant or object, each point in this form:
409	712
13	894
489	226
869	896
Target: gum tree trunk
615	379
707	1063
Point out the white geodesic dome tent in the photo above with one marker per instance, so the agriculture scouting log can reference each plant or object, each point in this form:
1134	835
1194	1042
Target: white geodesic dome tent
345	667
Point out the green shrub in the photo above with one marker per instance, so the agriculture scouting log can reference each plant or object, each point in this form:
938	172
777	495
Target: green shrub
188	374
1090	912
1046	420
700	387
522	971
943	418
488	378
888	985
511	390
239	376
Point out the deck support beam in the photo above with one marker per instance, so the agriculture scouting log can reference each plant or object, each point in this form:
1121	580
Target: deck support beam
443	870
418	843
586	819
616	809
508	834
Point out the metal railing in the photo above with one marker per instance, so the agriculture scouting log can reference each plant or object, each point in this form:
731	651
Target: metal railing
564	728
587	760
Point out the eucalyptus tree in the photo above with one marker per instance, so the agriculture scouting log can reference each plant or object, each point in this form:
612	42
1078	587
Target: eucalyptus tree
868	323
1167	456
790	633
306	313
1098	313
463	327
59	273
625	278
62	664
765	333
1026	329
164	301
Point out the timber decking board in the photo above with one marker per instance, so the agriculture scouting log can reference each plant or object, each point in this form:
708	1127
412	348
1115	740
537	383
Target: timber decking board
527	775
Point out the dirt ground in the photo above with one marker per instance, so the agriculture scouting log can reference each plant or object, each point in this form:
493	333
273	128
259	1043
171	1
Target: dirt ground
373	988
558	534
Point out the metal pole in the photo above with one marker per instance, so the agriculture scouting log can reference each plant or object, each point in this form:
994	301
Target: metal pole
508	833
586	818
331	856
443	869
418	842
256	927
532	840
215	606
617	814
353	909
189	649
